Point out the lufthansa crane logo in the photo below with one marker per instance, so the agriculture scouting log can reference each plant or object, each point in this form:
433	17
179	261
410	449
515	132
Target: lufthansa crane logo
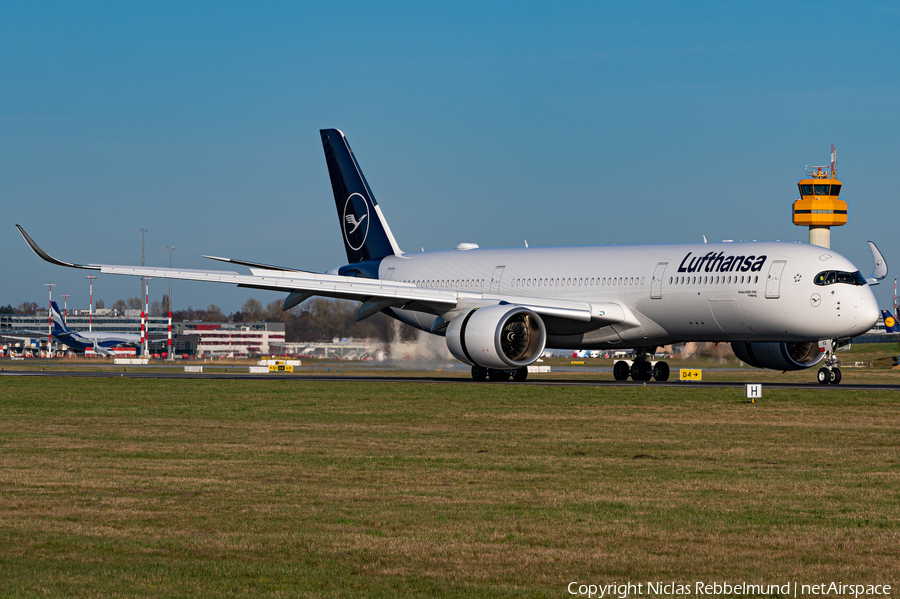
356	221
889	322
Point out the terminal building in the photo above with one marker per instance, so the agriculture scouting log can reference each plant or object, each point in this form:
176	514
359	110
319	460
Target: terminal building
232	339
103	320
189	338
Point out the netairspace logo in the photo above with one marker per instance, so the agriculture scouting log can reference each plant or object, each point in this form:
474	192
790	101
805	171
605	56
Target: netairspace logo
624	590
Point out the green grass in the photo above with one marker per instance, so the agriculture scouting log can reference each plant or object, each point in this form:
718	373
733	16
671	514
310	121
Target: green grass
119	487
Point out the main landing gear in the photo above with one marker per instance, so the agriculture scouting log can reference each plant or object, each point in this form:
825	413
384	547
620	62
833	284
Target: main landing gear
480	373
829	374
641	369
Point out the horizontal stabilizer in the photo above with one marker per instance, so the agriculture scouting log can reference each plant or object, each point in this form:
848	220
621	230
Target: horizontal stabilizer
253	264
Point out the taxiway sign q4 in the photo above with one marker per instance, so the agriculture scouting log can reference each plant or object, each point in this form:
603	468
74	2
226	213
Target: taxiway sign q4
783	306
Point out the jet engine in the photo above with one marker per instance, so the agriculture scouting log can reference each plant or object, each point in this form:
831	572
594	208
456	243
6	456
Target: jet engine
501	337
778	356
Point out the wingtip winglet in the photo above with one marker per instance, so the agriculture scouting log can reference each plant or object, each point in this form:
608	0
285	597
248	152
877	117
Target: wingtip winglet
881	267
47	257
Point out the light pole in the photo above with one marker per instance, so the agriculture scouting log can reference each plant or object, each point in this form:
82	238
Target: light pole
146	324
50	318
65	297
169	355
143	231
91	305
170	248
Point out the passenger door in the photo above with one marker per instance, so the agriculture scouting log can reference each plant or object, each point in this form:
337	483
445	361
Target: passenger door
495	279
773	283
656	282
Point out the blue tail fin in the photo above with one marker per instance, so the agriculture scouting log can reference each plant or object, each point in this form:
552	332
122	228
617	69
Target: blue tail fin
366	233
890	323
59	325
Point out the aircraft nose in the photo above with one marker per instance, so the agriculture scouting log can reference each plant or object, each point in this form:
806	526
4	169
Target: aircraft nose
863	312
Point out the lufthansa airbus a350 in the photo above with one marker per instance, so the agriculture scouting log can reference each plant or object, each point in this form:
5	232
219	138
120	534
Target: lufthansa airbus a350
783	306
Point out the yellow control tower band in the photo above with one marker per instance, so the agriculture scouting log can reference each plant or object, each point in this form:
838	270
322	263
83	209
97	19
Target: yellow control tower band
819	207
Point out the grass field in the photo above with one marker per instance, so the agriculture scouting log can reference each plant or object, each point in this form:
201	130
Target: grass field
119	487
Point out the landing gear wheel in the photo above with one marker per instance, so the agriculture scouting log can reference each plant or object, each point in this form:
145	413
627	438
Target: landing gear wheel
479	373
498	375
661	371
520	374
824	376
641	371
620	371
835	376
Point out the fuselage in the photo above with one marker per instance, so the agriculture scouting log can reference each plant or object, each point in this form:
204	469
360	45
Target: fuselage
81	340
747	291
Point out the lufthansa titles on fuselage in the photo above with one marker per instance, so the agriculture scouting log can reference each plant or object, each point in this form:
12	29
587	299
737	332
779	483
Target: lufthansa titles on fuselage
713	262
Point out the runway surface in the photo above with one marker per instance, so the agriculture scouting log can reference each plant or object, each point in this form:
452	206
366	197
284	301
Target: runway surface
300	378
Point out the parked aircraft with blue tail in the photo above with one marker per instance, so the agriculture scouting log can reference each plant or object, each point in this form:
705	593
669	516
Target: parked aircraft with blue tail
783	306
100	342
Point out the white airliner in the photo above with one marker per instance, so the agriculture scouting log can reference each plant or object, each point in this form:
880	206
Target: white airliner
784	306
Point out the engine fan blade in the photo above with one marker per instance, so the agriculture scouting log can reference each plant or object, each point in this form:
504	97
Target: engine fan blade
515	338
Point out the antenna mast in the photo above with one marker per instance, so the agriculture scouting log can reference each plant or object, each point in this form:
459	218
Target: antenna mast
833	162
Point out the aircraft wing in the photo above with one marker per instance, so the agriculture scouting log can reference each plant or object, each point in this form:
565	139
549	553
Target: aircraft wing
21	338
34	334
376	294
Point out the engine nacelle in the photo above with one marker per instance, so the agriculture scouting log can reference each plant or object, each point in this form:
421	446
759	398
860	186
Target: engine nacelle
500	337
778	356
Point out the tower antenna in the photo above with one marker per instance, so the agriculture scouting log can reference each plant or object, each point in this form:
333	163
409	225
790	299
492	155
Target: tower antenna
833	162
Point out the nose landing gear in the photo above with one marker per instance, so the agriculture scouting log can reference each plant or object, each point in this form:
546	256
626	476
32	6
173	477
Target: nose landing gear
829	374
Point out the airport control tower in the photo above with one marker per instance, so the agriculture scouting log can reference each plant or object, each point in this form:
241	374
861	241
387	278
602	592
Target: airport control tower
819	207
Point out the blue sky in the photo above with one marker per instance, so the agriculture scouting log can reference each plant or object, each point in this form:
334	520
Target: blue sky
559	123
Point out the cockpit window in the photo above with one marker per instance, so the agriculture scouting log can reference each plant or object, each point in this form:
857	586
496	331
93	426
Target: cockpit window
830	277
